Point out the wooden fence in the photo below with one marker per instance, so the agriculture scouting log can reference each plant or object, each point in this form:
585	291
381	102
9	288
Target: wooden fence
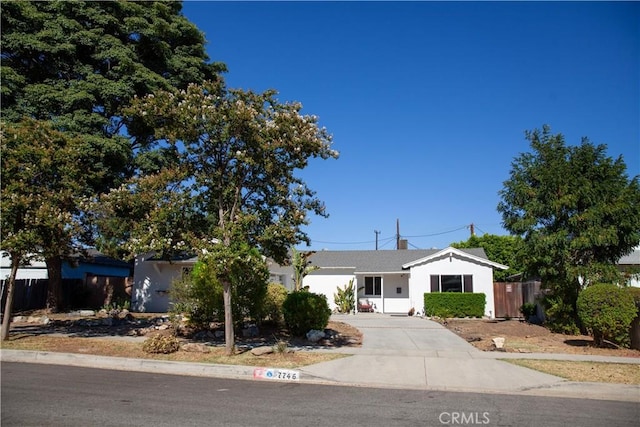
509	297
93	292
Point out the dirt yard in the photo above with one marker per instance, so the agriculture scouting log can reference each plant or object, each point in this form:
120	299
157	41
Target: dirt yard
523	337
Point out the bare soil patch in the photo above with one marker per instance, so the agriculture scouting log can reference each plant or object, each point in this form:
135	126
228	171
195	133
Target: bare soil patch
618	373
116	336
523	337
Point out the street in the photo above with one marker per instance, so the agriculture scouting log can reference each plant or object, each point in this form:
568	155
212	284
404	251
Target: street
47	395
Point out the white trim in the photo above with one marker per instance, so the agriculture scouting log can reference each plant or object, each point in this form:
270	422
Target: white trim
450	251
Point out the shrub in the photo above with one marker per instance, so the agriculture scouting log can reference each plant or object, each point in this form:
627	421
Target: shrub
607	311
528	309
273	300
161	344
560	316
200	295
304	311
454	304
344	298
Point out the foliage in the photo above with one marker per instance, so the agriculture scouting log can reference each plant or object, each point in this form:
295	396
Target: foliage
301	266
200	296
607	311
454	304
577	212
345	298
161	344
238	151
304	311
44	181
273	301
506	250
560	316
528	309
72	67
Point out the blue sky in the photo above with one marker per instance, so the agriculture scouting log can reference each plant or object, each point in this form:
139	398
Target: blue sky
428	101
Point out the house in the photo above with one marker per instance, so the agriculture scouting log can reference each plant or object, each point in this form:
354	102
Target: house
152	279
89	280
395	281
630	265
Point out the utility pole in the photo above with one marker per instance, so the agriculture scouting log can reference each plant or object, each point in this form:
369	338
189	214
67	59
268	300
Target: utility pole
397	234
472	229
377	232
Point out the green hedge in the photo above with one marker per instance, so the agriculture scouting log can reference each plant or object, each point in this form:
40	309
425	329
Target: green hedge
454	304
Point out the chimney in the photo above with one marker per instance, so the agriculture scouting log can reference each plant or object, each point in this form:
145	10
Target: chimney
402	244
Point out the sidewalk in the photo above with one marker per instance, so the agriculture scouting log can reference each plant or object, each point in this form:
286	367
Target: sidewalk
399	352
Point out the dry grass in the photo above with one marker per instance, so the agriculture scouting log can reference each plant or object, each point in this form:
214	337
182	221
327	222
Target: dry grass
120	348
619	373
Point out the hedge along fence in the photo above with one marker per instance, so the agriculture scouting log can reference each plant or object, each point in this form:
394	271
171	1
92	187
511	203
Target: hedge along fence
454	304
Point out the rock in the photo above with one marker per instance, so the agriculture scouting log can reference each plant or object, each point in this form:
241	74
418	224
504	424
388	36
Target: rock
195	348
218	334
162	327
17	319
107	321
262	350
498	342
250	332
315	335
474	338
86	313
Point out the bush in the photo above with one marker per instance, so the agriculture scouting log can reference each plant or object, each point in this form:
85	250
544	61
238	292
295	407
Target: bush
344	298
560	316
273	300
454	304
607	311
161	344
304	311
200	295
528	309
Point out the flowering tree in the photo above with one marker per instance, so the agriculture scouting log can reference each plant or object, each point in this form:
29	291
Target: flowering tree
238	154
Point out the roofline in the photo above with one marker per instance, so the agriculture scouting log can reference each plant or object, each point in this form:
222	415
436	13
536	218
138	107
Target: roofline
451	250
382	272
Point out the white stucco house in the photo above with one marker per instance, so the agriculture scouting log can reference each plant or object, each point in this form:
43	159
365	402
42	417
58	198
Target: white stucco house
631	264
152	278
395	281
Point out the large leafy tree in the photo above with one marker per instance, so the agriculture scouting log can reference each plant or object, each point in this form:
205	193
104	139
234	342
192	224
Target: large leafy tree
43	173
506	250
577	211
76	64
240	151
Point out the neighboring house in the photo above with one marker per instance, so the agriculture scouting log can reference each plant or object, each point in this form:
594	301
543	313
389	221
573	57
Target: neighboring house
152	280
94	263
630	264
395	281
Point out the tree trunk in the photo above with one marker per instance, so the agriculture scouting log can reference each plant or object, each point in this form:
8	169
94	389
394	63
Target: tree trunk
229	338
55	300
6	319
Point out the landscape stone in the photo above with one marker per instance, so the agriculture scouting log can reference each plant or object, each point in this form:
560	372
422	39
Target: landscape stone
196	348
315	335
262	350
498	342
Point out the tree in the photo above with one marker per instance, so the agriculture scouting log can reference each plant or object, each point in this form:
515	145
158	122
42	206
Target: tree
503	249
241	150
77	64
301	266
577	211
43	176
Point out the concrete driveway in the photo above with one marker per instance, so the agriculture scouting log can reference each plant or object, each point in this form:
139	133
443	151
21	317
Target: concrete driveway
412	352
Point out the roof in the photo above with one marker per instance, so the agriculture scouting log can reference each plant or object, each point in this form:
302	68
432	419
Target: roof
382	261
632	259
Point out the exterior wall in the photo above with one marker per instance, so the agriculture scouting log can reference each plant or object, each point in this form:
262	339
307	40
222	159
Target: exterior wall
35	269
281	274
420	281
327	281
151	281
390	301
79	272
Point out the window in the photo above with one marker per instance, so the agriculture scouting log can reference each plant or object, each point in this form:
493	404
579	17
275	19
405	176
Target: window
373	286
452	283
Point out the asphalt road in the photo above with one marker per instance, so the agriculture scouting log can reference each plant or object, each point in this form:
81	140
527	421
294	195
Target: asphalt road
48	395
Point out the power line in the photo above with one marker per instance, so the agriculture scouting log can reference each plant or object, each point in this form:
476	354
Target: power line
440	233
